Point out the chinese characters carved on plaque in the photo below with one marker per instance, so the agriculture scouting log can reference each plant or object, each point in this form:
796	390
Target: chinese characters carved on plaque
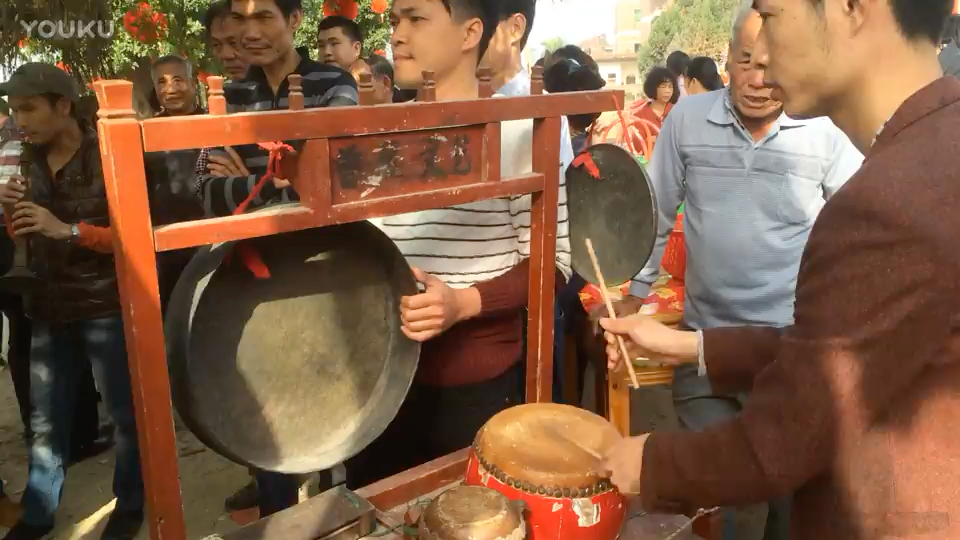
372	163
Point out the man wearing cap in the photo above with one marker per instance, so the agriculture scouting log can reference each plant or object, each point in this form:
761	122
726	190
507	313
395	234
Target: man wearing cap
77	307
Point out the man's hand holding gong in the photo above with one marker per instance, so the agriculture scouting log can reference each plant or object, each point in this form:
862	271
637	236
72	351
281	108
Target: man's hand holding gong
648	338
430	313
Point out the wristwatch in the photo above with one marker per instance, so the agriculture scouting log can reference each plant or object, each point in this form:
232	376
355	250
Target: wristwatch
74	234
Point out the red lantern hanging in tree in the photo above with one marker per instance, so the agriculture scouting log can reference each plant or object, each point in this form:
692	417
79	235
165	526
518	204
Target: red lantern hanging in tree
344	8
379	6
349	9
144	24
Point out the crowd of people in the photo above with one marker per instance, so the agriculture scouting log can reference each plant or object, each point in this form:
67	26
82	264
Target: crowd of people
799	326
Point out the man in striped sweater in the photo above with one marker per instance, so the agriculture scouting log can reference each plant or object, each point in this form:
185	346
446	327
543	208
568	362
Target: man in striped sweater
472	260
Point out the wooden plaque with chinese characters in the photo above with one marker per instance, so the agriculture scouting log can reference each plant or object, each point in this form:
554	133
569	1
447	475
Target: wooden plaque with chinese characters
378	166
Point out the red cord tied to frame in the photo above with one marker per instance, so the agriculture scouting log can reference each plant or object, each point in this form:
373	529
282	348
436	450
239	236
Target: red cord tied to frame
251	259
585	161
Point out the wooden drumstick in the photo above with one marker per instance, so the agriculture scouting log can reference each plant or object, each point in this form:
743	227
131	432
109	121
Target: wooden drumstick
611	313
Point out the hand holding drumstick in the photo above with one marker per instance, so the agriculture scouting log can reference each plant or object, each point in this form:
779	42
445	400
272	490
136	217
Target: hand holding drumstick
611	313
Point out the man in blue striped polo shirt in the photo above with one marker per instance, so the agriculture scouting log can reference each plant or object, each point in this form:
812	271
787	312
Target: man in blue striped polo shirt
268	32
752	181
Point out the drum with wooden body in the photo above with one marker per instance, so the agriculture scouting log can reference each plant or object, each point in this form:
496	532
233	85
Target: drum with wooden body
546	455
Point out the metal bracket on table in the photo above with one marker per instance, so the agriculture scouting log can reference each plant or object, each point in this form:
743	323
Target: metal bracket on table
335	514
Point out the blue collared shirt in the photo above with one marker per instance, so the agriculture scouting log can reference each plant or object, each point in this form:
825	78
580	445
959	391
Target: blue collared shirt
748	207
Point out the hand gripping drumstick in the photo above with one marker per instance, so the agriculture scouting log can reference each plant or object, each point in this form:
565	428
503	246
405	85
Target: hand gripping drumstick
611	313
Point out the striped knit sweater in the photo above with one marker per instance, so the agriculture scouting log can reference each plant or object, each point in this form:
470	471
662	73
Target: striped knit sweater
485	244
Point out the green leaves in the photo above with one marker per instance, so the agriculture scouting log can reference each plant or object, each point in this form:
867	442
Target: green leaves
117	56
697	27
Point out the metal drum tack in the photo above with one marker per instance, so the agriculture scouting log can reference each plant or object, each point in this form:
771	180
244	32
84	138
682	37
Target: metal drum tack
473	513
299	371
610	201
545	454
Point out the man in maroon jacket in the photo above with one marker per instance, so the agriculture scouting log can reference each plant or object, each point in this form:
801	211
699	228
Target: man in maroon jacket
854	408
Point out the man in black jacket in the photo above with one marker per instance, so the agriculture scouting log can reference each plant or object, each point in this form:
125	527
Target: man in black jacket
78	306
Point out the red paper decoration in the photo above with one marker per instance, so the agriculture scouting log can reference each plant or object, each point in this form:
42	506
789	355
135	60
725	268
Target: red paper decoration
344	8
380	52
65	67
349	9
144	24
379	6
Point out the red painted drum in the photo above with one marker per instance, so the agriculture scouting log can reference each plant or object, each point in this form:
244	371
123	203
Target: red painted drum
545	455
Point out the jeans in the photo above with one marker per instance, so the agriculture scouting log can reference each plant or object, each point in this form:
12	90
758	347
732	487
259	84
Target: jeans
55	360
698	408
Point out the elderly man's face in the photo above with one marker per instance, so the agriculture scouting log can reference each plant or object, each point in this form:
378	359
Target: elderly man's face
752	98
225	35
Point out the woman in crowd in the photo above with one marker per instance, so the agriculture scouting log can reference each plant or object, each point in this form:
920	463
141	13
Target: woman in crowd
702	75
662	91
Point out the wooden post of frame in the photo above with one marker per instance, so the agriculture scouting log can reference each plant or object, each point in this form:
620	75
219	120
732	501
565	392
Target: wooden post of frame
295	96
543	248
125	180
216	102
365	89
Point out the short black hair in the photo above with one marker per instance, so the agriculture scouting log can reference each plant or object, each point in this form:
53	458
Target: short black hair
216	11
918	19
286	7
527	8
677	62
572	52
53	99
657	76
380	66
568	75
704	70
951	31
350	28
485	10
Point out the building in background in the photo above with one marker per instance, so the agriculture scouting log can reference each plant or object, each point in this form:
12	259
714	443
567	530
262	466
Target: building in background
617	58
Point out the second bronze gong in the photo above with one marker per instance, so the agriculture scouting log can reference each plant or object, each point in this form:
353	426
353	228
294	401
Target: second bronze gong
610	201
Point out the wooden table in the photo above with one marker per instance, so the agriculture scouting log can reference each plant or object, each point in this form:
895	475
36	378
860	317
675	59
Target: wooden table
394	498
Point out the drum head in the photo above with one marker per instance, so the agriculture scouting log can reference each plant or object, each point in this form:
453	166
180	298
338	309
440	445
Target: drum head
300	371
617	212
538	443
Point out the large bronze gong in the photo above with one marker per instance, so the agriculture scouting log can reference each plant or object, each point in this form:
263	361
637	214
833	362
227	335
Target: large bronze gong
299	371
610	200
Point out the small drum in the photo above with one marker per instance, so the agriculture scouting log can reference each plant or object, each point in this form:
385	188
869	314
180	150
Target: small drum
472	513
545	455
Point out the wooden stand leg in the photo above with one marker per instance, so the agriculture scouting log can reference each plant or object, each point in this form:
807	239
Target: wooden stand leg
618	406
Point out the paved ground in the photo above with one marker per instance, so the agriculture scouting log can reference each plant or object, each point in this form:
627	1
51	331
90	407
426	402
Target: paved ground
207	478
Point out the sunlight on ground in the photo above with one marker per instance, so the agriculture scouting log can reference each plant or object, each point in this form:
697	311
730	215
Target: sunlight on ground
87	526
